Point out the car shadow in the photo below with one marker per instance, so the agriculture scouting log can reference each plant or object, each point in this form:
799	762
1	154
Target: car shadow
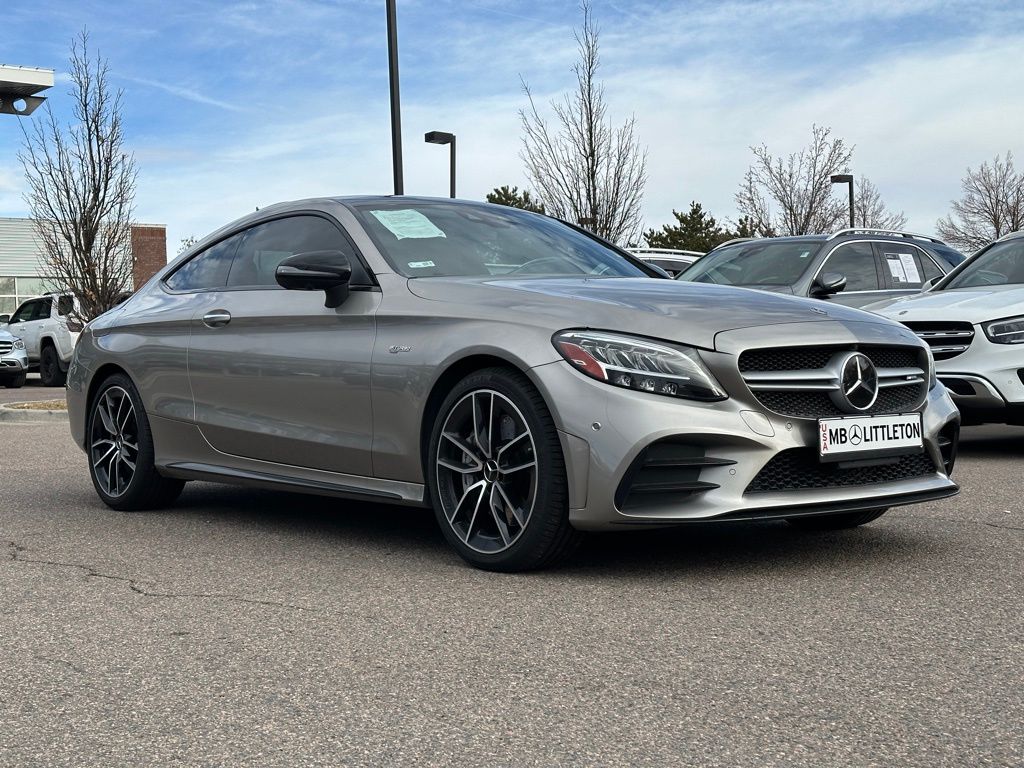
702	550
992	440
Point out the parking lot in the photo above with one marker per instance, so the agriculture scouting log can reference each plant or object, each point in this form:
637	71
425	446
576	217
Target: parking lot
247	627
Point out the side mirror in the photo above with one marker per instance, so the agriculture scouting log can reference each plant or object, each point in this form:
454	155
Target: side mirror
828	284
328	271
5	319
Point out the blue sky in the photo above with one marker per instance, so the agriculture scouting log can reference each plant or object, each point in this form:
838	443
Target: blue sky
233	105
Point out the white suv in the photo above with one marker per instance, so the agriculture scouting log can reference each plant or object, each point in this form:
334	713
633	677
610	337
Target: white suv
49	327
973	320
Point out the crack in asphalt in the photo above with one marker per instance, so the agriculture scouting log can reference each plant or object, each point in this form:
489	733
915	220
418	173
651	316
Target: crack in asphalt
16	554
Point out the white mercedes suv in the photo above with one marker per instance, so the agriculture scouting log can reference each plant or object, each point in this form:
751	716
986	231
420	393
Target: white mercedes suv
973	320
49	327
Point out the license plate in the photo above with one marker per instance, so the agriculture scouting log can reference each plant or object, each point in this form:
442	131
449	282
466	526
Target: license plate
856	437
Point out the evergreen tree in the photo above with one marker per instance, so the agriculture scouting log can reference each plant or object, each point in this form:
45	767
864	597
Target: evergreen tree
515	199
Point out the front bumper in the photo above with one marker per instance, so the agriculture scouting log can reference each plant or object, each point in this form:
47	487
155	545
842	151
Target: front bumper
14	362
605	429
986	382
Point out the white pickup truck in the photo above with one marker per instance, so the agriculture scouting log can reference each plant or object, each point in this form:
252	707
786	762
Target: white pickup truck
49	329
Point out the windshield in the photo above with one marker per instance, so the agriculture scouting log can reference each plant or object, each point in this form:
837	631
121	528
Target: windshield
1002	264
758	262
436	239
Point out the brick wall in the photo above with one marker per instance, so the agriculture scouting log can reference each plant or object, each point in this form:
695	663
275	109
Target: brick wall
149	252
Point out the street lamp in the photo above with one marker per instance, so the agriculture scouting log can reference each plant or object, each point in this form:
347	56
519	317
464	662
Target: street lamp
846	178
396	107
19	86
440	137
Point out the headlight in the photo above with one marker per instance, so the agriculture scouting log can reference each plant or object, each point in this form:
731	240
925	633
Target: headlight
1009	331
646	366
932	378
19	344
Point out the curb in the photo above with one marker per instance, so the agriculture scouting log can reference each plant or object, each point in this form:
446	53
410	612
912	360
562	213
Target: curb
9	415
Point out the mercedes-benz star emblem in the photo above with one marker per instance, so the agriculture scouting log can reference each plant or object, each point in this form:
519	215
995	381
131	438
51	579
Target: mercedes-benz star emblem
858	382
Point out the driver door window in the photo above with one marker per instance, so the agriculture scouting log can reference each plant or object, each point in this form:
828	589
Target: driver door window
857	262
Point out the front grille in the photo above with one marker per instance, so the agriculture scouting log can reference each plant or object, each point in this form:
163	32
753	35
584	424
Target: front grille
797	381
947	339
798	469
6	346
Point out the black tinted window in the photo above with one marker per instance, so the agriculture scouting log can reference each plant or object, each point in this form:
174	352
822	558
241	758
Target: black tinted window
65	305
757	262
857	262
25	312
207	270
265	246
1001	264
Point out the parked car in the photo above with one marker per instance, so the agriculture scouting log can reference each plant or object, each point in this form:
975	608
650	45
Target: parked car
852	266
13	361
974	322
672	261
525	379
49	329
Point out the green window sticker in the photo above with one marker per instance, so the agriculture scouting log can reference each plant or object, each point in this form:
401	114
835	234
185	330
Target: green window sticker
407	223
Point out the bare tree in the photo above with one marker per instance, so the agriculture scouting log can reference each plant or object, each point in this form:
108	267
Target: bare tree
793	195
81	188
870	211
187	242
583	169
992	205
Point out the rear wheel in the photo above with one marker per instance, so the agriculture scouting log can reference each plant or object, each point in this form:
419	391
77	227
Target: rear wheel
14	382
497	475
836	522
120	450
49	368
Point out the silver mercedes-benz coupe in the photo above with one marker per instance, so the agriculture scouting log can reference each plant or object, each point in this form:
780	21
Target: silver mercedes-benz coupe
526	379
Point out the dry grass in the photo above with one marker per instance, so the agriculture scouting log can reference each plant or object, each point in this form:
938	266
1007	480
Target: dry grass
40	405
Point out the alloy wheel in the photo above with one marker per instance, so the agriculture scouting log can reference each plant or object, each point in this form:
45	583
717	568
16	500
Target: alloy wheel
114	441
487	471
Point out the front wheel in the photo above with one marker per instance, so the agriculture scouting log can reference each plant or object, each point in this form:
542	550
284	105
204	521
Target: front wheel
836	522
497	475
120	450
49	368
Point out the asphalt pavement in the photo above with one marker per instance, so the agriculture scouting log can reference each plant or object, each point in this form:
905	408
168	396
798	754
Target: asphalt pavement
269	629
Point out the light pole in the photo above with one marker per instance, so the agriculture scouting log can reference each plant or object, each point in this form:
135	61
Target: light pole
846	178
396	106
19	86
440	137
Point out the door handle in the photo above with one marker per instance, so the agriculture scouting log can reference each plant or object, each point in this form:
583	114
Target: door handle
216	318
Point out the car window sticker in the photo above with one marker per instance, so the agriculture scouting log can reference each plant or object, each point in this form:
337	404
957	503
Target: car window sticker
903	268
407	223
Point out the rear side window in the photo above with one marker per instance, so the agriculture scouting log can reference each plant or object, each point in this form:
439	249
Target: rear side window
65	305
857	262
43	308
905	265
209	269
266	245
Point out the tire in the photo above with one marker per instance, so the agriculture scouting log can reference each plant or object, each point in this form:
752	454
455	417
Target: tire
514	473
836	522
15	382
116	422
49	368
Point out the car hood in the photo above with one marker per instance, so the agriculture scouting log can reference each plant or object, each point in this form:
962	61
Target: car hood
973	305
690	313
